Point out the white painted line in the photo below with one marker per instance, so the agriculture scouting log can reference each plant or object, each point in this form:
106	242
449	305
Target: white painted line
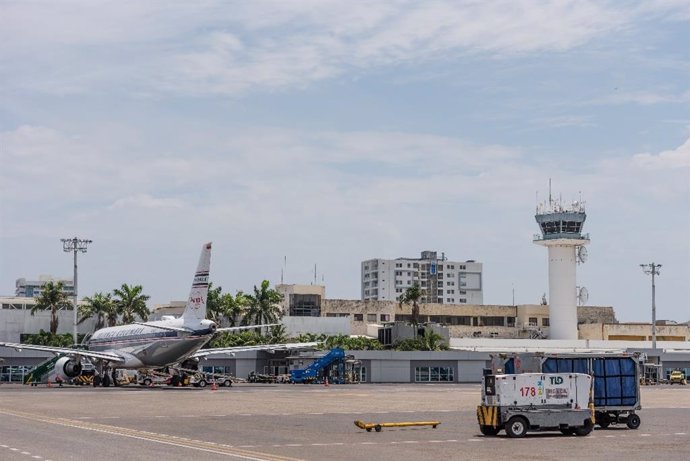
679	433
37	457
410	441
293	445
645	435
436	441
473	440
451	440
609	436
314	413
25	453
14	449
369	443
4	446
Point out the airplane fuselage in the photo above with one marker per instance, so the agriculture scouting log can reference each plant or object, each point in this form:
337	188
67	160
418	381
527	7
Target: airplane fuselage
152	344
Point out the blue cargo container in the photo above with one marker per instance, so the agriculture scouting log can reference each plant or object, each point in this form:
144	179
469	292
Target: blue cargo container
616	380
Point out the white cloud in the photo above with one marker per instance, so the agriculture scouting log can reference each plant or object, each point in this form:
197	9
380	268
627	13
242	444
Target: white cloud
146	201
676	158
220	47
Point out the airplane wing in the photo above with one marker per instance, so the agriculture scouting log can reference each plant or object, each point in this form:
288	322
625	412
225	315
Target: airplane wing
261	347
246	327
183	330
66	351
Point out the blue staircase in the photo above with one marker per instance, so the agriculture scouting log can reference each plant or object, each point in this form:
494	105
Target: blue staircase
312	371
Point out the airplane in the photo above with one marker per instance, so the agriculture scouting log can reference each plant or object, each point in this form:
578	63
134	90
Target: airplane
157	344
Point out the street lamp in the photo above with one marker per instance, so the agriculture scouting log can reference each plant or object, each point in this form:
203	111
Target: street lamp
76	245
652	269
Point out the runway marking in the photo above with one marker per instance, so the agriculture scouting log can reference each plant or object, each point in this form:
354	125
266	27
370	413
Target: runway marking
164	439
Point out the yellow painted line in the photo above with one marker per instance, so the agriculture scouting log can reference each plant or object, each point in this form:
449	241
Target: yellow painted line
165	439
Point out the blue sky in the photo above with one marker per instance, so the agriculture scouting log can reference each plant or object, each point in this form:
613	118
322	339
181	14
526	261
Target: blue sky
329	132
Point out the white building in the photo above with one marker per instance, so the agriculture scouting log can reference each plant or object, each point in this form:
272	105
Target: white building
443	281
32	288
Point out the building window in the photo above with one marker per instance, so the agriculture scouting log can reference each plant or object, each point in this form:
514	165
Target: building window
434	374
492	321
545	322
371	318
359	317
510	321
533	322
385	317
462	300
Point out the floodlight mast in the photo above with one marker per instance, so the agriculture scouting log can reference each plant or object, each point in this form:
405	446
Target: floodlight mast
75	245
653	269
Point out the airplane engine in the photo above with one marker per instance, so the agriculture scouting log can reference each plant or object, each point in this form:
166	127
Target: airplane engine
67	368
191	364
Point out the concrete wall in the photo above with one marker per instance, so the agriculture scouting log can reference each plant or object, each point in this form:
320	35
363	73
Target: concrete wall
14	322
634	332
328	325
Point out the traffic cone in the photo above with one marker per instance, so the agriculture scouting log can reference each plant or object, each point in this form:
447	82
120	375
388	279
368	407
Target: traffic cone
214	386
49	385
325	381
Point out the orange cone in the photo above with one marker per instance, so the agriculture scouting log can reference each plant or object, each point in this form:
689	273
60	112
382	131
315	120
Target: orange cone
325	381
49	385
214	386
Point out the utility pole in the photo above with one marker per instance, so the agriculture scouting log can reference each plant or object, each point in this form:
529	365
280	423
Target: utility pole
653	269
75	245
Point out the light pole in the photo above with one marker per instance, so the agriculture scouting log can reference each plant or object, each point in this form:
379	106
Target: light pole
653	269
75	245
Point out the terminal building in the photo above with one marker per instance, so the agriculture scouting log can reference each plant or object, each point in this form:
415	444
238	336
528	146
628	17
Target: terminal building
442	281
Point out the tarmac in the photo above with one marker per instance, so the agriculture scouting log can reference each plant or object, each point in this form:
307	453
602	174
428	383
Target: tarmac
264	422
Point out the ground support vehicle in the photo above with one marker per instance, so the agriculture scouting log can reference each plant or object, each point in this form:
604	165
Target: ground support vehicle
616	379
255	377
677	377
378	426
318	369
520	403
201	379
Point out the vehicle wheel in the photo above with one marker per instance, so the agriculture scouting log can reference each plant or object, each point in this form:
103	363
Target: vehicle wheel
516	427
368	429
96	381
633	421
202	383
603	420
584	430
489	430
227	383
147	382
377	428
105	382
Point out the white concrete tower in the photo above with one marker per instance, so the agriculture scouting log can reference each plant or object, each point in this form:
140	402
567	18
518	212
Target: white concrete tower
561	233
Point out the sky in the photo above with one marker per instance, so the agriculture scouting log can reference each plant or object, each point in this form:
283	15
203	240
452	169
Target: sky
305	134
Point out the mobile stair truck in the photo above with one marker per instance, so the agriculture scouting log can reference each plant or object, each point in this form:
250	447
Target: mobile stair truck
616	379
536	402
311	373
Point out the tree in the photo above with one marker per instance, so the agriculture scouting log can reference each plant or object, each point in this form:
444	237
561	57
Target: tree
131	303
235	307
102	307
214	305
264	304
52	298
412	295
430	341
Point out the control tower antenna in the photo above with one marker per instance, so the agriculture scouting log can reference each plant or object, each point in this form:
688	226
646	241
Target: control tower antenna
561	233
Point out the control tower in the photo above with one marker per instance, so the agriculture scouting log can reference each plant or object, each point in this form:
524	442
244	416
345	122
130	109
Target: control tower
561	233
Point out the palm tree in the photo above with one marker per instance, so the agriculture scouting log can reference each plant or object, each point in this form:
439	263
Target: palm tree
235	307
214	305
264	304
100	305
54	298
412	295
131	303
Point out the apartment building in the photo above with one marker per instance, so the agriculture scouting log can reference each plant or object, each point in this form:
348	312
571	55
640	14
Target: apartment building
442	281
32	288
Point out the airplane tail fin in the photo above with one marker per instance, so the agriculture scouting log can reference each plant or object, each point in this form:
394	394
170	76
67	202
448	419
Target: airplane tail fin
195	309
